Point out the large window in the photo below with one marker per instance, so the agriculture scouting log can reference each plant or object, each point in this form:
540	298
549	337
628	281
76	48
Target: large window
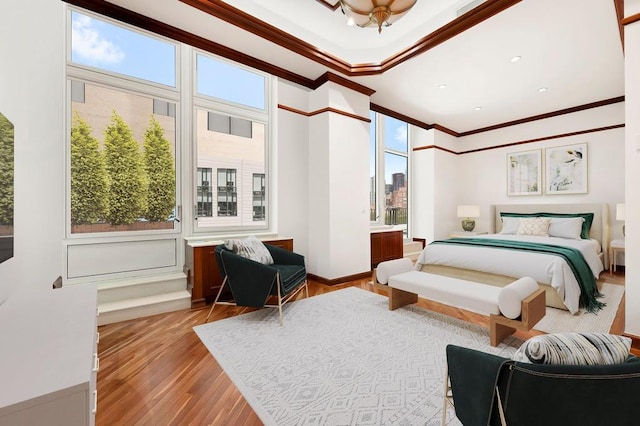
389	158
232	138
123	93
130	118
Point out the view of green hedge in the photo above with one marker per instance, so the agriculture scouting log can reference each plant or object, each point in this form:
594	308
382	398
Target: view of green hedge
120	184
6	171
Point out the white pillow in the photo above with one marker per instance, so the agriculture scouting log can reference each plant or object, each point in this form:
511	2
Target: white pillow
538	226
511	296
566	227
251	248
510	225
574	349
393	267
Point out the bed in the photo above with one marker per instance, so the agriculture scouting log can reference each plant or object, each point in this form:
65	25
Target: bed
473	261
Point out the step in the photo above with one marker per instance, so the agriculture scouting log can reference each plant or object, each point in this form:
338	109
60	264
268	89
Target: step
139	307
412	247
137	287
412	250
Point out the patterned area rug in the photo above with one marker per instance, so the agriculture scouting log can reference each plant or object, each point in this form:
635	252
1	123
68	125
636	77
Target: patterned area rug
343	358
557	320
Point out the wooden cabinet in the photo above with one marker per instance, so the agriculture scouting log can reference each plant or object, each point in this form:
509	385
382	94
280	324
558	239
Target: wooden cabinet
203	269
385	245
49	357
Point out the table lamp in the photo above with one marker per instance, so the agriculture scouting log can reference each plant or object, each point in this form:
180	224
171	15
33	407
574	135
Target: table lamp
467	212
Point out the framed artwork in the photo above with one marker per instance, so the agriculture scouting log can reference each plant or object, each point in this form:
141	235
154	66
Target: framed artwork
524	173
566	169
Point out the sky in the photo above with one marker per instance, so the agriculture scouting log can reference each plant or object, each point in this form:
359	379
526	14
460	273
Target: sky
99	44
395	138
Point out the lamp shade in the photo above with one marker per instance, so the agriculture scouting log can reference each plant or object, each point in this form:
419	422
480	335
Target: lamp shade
620	211
468	211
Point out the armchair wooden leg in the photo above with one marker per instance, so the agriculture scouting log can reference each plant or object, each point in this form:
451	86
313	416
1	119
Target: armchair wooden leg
217	297
306	288
448	397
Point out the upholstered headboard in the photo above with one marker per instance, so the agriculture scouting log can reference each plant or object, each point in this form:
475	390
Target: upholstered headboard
599	227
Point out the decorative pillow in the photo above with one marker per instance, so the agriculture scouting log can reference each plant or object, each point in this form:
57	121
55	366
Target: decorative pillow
566	227
538	226
510	225
574	349
251	248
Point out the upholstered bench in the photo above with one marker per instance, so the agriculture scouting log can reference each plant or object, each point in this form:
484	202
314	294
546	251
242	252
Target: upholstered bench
517	306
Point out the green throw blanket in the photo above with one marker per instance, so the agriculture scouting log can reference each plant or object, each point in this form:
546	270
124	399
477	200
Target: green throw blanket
588	289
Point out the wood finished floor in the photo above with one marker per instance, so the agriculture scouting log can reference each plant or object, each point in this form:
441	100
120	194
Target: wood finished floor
155	370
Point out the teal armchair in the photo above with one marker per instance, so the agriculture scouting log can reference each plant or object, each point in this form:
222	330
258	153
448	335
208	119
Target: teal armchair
252	283
491	390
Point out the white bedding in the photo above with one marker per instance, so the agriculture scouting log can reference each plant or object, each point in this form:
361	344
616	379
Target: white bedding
544	268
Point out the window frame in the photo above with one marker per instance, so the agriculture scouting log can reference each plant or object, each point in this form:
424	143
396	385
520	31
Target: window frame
129	85
240	111
381	150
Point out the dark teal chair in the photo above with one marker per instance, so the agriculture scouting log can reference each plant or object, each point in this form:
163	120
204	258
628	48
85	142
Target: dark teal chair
252	283
486	389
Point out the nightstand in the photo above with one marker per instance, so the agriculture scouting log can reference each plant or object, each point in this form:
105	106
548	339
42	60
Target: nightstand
615	247
465	234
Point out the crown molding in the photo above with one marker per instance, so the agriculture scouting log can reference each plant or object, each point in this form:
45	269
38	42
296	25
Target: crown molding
268	32
546	115
127	16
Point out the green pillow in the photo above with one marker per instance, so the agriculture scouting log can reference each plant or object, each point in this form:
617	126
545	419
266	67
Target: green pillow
586	225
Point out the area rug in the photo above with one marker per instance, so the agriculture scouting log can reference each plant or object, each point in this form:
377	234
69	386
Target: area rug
557	320
343	358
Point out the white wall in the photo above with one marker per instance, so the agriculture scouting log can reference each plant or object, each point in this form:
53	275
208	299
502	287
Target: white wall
291	160
480	178
338	184
632	176
32	97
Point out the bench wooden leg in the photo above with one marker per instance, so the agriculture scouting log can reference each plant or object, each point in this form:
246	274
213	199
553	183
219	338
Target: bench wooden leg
533	309
399	298
498	332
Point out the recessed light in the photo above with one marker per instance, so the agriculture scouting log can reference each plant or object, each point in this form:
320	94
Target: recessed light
442	86
542	90
477	108
351	22
515	58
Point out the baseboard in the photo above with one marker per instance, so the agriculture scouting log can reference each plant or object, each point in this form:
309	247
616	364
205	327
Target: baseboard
340	280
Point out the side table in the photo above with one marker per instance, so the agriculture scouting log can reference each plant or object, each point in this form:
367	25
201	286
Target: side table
465	234
615	247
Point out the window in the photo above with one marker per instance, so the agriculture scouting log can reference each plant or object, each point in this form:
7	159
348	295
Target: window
258	197
227	193
204	193
125	88
232	139
389	158
98	44
122	143
373	161
222	80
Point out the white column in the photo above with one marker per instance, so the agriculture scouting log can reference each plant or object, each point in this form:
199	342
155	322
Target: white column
632	167
339	243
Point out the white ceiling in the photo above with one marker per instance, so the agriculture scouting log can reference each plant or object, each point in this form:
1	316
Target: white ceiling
571	47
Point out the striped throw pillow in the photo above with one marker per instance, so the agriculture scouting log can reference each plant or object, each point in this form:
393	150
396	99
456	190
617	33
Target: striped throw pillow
574	349
251	248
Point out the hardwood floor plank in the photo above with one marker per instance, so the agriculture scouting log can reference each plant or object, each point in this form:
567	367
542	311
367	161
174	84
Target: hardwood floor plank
156	371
